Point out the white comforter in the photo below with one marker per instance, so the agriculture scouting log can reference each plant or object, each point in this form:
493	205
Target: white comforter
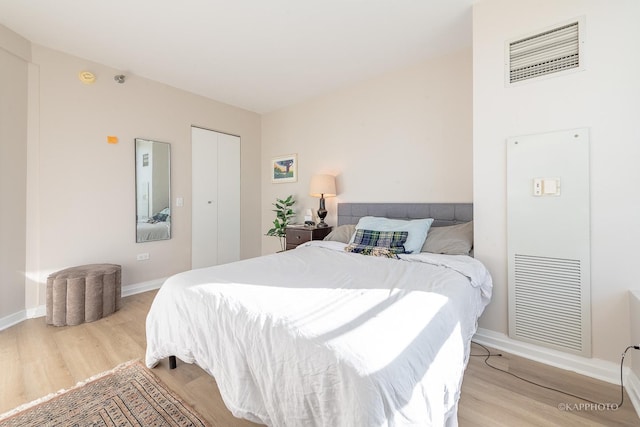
320	337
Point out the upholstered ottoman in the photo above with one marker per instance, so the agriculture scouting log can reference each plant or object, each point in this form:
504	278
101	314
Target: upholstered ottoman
83	294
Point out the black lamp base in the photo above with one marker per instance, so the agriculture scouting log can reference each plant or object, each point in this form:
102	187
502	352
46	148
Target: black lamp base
322	213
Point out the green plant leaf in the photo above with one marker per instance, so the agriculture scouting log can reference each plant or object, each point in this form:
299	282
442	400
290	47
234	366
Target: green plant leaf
284	213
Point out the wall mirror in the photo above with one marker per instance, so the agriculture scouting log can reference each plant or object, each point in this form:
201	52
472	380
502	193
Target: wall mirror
153	190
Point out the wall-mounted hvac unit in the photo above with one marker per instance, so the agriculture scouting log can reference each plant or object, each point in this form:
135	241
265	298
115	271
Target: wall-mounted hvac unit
548	242
551	52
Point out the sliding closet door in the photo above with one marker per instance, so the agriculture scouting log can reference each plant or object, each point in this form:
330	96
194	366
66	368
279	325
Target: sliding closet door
215	217
228	198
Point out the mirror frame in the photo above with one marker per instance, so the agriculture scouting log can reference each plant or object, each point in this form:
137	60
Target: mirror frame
150	219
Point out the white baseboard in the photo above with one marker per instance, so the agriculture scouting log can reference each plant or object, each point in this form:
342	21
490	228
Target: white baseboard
594	368
41	311
12	319
632	387
138	288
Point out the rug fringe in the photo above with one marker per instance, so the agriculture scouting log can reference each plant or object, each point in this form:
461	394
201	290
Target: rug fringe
65	390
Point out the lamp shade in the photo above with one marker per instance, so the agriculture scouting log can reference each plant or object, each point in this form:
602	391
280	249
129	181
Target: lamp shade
323	185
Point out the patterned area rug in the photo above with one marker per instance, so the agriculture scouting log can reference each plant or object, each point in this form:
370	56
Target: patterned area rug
129	395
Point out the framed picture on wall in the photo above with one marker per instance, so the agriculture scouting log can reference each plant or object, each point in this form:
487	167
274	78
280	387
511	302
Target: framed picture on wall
285	168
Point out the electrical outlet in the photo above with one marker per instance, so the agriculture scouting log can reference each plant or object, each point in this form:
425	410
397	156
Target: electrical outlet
143	256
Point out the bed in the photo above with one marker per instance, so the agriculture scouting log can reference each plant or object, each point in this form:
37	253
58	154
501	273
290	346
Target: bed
158	227
147	231
319	336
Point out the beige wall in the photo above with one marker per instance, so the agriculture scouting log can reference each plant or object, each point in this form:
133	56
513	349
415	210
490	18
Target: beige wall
81	191
14	56
405	136
603	98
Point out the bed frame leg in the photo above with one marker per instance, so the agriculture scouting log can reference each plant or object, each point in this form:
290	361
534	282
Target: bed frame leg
172	362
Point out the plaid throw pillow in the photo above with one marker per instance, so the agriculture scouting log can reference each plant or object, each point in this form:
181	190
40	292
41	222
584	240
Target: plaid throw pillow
378	243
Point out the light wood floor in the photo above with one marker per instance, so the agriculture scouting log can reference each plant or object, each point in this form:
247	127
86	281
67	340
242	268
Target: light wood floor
38	359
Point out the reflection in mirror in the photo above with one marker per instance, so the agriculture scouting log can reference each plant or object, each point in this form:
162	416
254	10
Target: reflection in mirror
153	190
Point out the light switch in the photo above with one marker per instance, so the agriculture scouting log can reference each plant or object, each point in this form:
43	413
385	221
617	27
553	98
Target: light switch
179	202
550	187
537	186
546	187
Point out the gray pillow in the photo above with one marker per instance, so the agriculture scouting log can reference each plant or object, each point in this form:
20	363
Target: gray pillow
341	233
450	240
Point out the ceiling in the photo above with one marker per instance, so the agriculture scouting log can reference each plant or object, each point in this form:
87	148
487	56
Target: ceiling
260	55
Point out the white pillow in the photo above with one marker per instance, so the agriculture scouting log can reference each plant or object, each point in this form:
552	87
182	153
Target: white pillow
417	229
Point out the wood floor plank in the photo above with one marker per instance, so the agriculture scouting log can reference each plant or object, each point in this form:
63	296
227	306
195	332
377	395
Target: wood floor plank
487	387
12	376
117	342
84	354
39	359
42	364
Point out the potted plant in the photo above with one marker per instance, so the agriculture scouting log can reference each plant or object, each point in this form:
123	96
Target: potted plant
284	213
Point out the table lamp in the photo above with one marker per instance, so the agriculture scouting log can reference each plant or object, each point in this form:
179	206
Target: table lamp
322	186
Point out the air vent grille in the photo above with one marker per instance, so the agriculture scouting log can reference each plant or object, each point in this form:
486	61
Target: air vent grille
548	299
545	53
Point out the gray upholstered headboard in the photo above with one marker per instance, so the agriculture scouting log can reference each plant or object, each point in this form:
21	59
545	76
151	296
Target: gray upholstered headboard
442	213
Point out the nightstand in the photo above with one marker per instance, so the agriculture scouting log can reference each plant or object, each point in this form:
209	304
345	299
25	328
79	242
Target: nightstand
298	234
